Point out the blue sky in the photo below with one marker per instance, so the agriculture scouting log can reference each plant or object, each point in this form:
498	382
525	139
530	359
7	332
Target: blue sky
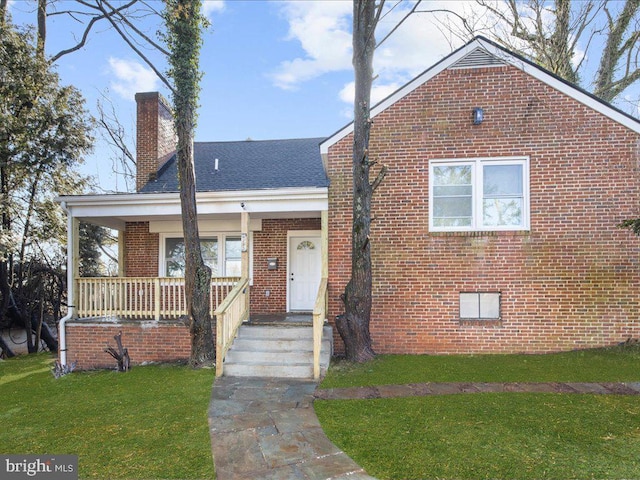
272	69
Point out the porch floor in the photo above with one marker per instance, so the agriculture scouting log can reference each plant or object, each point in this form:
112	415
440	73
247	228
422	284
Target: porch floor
290	318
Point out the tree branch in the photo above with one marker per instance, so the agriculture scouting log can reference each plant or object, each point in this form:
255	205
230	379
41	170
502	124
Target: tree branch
379	178
144	58
399	23
90	25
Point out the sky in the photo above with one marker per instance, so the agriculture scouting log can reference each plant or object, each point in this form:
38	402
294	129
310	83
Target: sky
271	69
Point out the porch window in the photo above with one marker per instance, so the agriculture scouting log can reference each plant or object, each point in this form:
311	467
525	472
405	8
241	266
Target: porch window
222	252
479	194
175	256
232	257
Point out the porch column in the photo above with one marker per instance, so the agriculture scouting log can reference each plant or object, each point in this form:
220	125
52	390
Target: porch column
324	222
73	261
244	259
121	254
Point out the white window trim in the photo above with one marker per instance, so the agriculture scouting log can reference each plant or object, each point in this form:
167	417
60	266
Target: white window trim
162	270
479	296
477	187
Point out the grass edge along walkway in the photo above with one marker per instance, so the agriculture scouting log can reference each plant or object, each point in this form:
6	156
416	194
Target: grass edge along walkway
451	388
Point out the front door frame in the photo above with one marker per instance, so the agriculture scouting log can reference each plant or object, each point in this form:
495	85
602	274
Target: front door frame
301	233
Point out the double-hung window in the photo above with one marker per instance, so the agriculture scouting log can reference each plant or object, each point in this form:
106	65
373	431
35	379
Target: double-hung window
479	194
221	253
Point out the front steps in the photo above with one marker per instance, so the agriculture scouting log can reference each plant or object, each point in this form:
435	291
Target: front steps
276	351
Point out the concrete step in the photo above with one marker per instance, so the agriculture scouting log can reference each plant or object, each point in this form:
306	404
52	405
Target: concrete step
268	370
276	351
256	357
272	344
280	332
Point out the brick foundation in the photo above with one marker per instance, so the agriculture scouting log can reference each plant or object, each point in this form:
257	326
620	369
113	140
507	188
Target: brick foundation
146	341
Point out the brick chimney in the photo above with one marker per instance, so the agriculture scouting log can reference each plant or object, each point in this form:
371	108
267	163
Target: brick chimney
155	136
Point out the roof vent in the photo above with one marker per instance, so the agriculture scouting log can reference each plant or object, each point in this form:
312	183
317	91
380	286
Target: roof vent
478	58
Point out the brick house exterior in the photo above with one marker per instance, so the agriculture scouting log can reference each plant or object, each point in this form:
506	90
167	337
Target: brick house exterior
281	184
491	235
569	279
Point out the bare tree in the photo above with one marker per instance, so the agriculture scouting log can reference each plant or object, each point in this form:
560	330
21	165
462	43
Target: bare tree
184	21
115	134
184	38
353	325
561	35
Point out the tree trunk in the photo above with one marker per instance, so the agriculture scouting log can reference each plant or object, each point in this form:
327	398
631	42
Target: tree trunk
184	21
45	334
5	350
121	355
197	274
353	325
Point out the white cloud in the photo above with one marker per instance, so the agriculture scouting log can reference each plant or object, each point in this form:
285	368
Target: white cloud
131	77
210	7
378	93
323	30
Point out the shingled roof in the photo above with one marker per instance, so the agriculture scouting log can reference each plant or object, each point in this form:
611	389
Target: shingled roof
249	165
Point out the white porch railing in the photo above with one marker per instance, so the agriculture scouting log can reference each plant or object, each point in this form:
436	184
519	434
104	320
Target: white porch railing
319	316
141	297
229	316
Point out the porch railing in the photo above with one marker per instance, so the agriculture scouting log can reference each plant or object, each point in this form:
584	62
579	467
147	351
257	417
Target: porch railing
319	316
142	297
229	316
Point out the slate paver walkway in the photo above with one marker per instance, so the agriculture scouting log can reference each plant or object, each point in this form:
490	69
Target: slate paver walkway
264	428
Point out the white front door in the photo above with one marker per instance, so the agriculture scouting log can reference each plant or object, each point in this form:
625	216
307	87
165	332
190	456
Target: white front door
305	269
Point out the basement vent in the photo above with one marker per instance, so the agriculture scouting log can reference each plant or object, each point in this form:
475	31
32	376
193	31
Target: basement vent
478	58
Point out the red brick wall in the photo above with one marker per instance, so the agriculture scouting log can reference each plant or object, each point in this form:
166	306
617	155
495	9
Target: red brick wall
570	282
155	135
146	342
268	243
141	250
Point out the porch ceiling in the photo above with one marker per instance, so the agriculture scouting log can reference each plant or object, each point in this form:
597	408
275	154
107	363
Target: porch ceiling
113	211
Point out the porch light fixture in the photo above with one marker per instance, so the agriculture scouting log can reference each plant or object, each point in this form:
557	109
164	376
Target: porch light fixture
478	115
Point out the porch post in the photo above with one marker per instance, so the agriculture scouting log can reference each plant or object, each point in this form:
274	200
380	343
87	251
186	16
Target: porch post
324	221
73	262
121	254
244	260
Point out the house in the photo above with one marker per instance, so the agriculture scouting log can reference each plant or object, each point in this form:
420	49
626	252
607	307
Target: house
495	229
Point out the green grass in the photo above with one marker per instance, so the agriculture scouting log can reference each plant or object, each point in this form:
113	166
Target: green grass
505	436
150	422
615	364
489	435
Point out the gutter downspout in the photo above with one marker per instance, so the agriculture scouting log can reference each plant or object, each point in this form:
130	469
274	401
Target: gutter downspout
62	334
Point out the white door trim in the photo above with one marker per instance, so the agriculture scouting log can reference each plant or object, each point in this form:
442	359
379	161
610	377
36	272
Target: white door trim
294	234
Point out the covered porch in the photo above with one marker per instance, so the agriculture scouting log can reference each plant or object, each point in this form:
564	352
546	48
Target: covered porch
249	236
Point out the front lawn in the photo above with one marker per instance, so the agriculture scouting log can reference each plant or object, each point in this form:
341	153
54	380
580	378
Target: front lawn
615	364
490	435
150	422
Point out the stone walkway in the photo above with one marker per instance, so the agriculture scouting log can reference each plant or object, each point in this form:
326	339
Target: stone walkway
265	428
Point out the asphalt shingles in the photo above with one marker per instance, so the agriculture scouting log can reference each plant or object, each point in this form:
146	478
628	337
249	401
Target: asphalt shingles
249	165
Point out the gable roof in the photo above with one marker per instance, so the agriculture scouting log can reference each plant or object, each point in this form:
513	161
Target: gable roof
248	165
483	53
